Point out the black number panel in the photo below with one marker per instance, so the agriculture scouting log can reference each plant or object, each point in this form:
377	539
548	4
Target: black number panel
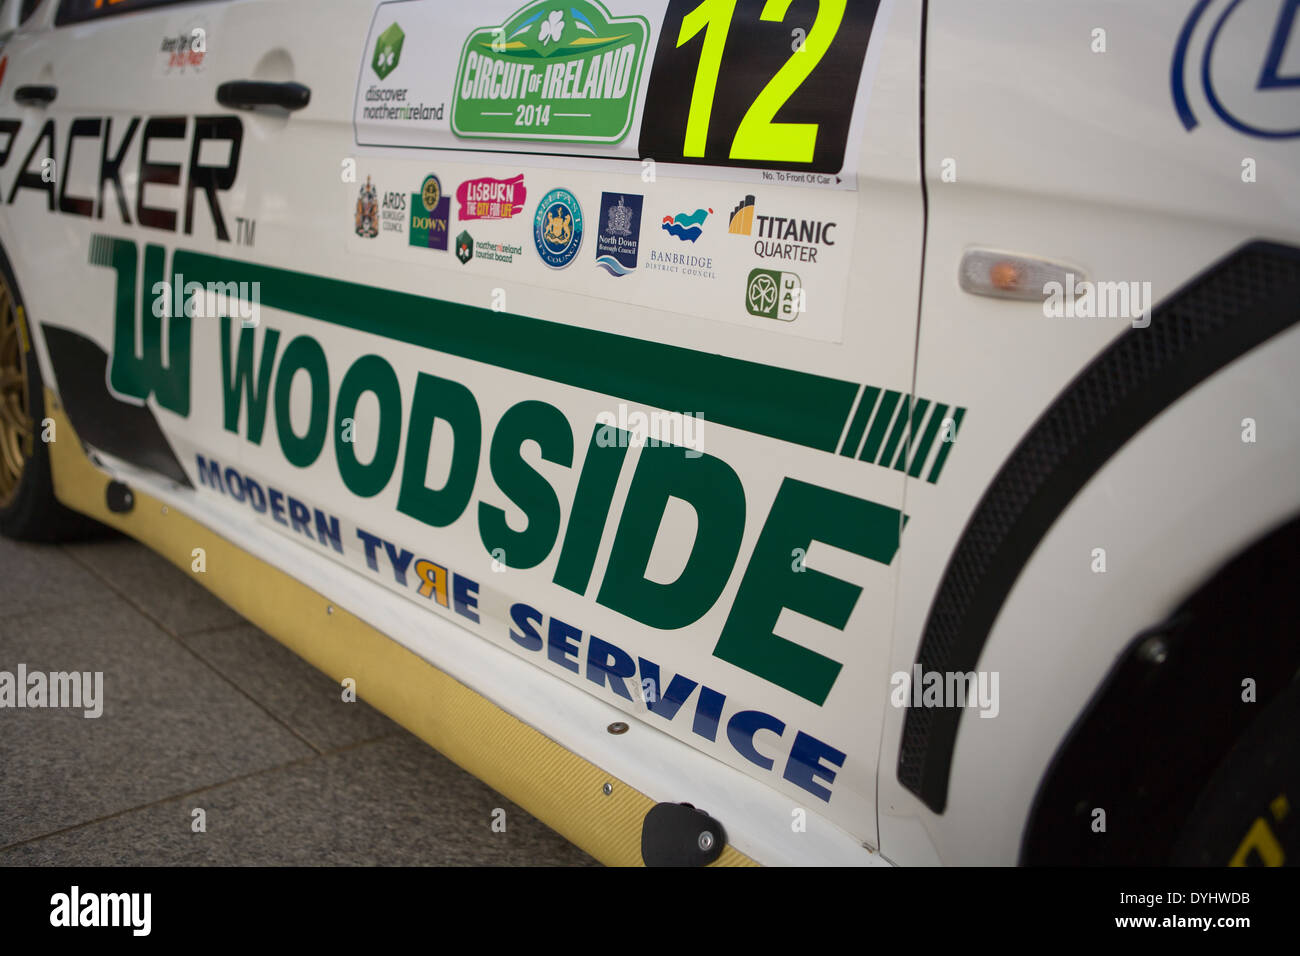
779	96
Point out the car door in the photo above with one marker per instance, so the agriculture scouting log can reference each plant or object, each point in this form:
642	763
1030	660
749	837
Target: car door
117	154
497	266
587	326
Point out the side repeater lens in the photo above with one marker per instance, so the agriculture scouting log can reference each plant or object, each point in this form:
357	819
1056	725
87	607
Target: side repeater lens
1004	275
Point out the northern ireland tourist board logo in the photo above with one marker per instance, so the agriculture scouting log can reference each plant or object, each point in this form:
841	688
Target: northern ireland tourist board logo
388	51
430	210
464	247
503	252
554	71
488	198
686	226
557	228
367	212
619	234
774	295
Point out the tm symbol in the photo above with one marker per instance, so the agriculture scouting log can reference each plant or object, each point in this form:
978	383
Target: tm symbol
244	231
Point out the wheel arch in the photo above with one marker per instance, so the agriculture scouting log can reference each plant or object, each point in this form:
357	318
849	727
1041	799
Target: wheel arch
1171	495
1171	708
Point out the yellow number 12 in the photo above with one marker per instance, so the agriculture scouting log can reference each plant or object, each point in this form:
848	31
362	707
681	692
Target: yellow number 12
758	137
707	16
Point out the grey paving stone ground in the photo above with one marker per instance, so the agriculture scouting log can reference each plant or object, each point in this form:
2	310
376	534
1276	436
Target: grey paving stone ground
203	711
37	579
292	690
163	591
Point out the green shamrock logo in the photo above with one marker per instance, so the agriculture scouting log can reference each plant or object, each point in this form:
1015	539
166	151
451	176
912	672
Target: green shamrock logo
388	51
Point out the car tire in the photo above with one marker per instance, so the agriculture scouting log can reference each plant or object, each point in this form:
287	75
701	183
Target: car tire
1249	812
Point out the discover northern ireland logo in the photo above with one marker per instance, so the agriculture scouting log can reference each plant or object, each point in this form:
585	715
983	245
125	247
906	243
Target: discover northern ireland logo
554	71
388	51
389	102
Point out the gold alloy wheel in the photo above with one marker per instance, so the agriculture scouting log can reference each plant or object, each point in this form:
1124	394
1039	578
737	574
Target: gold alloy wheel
15	419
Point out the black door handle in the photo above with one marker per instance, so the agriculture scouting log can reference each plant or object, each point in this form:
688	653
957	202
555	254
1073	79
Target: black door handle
246	94
35	95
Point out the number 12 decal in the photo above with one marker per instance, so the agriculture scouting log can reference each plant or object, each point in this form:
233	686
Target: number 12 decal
767	83
758	137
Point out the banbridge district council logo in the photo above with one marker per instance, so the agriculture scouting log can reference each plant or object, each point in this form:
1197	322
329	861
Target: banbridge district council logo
557	228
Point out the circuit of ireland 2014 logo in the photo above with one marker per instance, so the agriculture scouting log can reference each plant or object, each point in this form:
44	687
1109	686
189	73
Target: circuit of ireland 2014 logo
557	228
553	71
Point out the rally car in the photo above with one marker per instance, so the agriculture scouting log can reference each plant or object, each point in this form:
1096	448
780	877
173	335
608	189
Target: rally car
777	431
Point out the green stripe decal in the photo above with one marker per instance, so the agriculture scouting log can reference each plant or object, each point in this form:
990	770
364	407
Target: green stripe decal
879	424
945	447
919	408
896	435
859	423
799	407
932	429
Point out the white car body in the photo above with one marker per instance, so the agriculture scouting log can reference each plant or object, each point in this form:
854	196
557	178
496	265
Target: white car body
1035	139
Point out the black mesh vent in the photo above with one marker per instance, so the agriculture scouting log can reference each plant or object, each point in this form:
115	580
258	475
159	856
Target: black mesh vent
1246	298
